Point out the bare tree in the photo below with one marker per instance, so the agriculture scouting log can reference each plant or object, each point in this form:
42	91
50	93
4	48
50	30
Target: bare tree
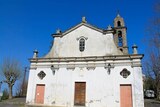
152	65
24	88
21	88
24	83
18	89
11	72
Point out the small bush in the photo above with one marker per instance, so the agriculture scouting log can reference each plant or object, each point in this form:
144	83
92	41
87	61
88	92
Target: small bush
5	94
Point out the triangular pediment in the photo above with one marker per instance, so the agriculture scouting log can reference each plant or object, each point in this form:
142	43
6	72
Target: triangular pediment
82	24
61	34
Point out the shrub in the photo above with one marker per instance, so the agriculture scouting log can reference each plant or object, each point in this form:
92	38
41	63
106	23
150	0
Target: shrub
5	94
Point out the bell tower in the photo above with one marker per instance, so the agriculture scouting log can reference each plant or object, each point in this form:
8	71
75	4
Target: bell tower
120	37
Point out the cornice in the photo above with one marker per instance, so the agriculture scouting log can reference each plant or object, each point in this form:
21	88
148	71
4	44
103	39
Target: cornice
87	59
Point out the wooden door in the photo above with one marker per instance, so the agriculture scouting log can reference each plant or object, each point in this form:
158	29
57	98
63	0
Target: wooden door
80	93
125	95
40	93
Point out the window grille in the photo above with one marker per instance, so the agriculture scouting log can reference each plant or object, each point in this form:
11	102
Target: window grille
81	44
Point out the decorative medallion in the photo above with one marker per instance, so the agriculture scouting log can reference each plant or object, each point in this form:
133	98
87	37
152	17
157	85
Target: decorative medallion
125	73
41	75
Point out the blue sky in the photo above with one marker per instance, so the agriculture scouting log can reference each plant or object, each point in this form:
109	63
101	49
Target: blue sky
26	25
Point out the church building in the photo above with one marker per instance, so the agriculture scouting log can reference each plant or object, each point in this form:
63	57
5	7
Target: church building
87	67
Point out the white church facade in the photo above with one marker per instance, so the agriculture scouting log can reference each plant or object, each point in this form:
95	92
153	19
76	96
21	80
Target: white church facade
87	67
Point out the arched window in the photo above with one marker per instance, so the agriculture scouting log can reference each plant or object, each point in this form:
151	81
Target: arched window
81	44
118	23
120	39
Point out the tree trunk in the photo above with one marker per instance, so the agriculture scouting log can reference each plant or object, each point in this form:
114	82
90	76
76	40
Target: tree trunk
10	91
158	93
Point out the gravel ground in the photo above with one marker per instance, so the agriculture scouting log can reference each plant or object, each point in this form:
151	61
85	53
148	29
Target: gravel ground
151	103
20	102
15	102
